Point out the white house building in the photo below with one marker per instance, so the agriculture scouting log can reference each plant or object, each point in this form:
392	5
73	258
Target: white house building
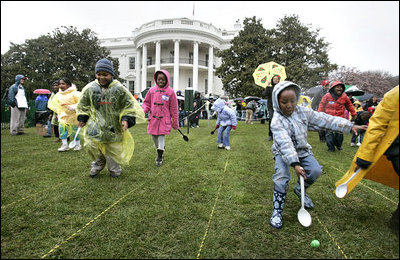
184	47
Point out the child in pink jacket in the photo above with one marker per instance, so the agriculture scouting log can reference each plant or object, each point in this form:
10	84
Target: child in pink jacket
162	105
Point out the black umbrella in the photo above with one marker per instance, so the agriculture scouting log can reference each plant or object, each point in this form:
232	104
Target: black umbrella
364	97
247	99
313	91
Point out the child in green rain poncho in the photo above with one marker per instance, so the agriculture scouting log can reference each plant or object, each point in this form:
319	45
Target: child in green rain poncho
106	110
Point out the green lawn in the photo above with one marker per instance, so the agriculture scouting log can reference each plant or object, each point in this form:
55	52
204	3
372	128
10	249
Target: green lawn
201	203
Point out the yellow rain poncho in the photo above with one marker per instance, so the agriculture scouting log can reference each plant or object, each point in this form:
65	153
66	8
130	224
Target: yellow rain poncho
103	131
382	130
63	103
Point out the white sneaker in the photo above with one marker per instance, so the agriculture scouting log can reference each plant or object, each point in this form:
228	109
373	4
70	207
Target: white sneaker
220	146
358	144
78	147
227	148
352	144
63	148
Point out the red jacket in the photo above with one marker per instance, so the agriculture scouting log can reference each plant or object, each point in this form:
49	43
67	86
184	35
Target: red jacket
336	107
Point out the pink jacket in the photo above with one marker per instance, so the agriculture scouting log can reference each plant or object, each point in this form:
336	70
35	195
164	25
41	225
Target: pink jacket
162	105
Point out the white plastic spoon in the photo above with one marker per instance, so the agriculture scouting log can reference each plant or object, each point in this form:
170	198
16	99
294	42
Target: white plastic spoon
303	216
73	143
341	190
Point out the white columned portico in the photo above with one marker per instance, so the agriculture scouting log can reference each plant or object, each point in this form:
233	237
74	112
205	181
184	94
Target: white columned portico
176	65
210	69
138	76
158	54
144	67
195	66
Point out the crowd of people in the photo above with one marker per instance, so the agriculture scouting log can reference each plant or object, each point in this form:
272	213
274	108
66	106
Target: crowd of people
104	109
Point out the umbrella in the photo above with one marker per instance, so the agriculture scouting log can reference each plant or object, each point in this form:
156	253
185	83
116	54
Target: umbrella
313	91
263	74
364	97
41	91
247	99
353	90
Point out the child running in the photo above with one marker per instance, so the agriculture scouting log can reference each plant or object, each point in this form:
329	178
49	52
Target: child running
289	126
64	105
162	105
227	120
106	110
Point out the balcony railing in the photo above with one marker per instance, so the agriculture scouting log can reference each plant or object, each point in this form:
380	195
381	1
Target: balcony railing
181	61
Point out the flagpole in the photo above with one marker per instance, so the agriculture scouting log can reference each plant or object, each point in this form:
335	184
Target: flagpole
193	11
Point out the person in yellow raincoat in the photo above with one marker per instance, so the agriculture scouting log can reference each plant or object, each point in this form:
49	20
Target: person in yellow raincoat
105	111
378	155
64	104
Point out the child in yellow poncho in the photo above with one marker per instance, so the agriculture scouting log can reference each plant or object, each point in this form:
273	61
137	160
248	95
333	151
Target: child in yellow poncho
64	104
106	110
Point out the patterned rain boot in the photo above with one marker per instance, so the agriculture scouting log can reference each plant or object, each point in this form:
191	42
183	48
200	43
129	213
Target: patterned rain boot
278	203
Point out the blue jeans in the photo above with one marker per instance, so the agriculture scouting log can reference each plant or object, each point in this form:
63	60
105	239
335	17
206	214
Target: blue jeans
333	139
48	133
354	137
224	135
282	176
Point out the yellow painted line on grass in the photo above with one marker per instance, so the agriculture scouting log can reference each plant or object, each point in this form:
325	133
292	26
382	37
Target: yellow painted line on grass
333	239
362	184
31	196
85	226
212	213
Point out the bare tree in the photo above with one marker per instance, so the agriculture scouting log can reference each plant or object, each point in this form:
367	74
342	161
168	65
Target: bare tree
374	82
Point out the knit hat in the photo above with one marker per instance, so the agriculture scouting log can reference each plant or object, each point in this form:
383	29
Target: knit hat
105	65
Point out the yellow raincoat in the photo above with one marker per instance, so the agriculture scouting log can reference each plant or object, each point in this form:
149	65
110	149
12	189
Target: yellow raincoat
60	105
382	130
103	131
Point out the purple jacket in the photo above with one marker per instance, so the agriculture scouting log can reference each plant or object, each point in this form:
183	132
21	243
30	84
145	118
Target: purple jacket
162	105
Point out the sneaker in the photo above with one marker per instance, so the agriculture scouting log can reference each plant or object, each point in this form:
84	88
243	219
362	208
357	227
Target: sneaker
47	136
78	147
227	148
358	144
339	148
57	140
220	146
269	138
63	148
352	144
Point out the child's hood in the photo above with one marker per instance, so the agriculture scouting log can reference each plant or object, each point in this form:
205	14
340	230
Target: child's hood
69	90
166	73
334	84
278	89
218	105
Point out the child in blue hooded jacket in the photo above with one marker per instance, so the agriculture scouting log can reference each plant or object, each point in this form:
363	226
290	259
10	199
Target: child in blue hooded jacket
226	121
290	125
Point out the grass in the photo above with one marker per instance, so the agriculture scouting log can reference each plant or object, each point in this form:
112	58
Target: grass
201	203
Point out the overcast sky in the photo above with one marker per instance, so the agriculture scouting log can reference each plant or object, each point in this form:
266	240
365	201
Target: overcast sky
364	35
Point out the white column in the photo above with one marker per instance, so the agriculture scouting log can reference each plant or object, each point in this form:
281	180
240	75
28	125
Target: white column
195	66
176	65
158	52
144	67
138	86
210	69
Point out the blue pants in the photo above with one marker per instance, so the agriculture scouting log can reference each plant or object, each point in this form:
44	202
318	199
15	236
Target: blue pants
354	137
333	139
224	135
64	132
282	176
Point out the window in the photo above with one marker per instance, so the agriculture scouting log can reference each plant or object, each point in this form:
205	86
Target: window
190	57
171	56
131	85
190	83
148	84
206	86
171	83
131	63
206	61
149	61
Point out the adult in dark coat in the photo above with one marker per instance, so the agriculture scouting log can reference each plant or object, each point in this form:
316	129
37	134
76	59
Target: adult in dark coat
267	94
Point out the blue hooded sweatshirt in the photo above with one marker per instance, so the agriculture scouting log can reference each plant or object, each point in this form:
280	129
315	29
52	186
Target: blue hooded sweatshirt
12	101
